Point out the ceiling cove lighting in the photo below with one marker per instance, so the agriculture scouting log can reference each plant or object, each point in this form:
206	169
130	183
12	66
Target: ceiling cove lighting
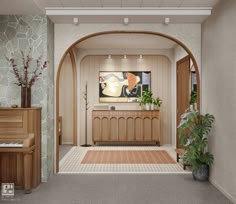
175	11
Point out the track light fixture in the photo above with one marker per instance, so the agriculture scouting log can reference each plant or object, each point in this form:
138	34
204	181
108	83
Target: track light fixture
126	21
75	21
167	21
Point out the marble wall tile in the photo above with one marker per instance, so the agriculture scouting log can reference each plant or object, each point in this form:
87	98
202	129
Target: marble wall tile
21	33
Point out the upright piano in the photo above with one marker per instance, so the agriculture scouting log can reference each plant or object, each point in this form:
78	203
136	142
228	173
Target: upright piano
20	147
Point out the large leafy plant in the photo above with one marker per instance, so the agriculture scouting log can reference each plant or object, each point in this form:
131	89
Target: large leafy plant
193	131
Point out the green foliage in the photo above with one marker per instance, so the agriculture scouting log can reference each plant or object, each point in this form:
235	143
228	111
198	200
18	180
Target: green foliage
193	98
147	98
193	131
157	102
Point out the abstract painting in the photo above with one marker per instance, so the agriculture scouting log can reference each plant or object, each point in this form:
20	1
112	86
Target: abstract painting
123	86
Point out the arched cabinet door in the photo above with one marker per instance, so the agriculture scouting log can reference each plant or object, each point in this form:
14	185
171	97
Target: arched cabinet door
126	126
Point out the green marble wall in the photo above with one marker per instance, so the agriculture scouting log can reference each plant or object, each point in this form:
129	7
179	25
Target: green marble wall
21	33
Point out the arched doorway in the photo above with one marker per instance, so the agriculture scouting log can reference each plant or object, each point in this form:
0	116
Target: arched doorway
123	32
73	96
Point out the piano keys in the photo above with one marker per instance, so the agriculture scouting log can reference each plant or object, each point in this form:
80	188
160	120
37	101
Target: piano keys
11	144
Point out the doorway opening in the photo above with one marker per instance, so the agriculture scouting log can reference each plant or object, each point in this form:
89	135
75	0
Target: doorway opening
67	105
131	34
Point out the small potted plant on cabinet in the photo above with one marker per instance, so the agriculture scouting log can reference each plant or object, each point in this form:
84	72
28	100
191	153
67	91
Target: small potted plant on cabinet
157	103
147	99
193	131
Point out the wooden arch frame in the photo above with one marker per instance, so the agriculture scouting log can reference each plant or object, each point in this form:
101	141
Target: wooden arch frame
74	75
73	63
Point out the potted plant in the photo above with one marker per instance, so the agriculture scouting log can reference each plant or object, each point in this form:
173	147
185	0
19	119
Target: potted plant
193	131
157	103
147	99
141	102
193	100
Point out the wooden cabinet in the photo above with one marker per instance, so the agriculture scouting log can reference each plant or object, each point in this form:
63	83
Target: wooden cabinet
126	126
14	122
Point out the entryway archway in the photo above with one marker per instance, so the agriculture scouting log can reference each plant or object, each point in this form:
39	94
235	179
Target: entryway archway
122	32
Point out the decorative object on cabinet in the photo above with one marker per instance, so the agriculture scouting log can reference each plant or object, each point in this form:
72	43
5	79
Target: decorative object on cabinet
101	106
193	131
26	75
113	108
123	86
86	115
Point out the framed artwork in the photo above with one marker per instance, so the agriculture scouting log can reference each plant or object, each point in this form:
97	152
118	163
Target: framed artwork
123	86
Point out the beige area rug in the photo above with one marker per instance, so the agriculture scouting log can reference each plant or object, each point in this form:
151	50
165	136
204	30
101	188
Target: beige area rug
73	163
127	157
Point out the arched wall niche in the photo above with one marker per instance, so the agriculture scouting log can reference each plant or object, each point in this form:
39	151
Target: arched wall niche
70	48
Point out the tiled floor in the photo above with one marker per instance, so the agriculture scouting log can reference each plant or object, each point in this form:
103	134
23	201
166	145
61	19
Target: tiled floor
71	163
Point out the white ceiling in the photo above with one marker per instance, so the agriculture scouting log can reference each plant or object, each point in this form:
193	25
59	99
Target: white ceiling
38	7
124	40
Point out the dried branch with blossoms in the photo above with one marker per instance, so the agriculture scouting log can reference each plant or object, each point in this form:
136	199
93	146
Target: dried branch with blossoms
26	77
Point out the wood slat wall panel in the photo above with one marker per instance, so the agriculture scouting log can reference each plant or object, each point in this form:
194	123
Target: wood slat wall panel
160	68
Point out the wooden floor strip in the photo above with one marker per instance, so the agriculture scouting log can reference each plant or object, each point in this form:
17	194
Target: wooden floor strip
127	157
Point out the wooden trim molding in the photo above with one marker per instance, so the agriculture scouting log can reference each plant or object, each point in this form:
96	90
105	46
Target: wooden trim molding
105	33
73	63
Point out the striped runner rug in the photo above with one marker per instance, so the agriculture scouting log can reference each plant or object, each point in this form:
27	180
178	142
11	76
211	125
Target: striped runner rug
127	157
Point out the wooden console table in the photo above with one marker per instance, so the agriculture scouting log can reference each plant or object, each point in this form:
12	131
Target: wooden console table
126	126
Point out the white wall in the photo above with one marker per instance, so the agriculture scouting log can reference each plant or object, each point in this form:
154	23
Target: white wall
66	100
67	34
219	93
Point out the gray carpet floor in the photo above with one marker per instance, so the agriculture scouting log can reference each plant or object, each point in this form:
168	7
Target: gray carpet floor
122	189
63	149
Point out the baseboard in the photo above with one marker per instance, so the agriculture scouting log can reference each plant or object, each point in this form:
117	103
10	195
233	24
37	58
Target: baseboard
221	189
